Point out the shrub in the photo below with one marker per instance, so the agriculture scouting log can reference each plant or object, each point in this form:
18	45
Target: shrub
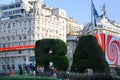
58	50
89	55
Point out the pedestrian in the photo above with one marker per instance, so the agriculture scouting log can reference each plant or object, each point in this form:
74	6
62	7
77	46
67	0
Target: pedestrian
32	68
12	72
38	69
41	70
27	70
20	69
51	71
55	73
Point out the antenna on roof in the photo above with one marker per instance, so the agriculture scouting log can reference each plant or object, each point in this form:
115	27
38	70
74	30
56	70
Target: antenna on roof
104	9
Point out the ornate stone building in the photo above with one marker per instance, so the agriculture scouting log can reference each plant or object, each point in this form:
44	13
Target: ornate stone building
24	22
107	32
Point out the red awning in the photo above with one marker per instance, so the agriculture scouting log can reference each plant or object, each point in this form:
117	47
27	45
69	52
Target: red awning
17	48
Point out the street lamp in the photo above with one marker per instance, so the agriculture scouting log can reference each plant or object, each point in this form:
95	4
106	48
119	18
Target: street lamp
50	63
50	51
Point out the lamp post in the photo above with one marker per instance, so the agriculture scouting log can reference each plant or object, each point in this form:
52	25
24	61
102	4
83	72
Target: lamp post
50	51
50	63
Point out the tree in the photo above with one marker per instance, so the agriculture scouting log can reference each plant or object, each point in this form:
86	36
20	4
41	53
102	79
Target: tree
57	55
89	55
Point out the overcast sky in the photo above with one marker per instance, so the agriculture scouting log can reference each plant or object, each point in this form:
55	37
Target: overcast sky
80	10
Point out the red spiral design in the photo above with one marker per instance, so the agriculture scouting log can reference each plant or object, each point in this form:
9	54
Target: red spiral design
112	50
100	38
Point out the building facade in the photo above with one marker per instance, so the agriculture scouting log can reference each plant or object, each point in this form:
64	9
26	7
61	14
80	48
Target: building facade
104	25
107	32
73	29
72	41
24	22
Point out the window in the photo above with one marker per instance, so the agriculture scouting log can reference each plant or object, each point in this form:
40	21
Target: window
8	38
32	35
37	28
3	45
13	66
17	11
5	7
17	5
3	67
9	25
6	13
11	44
24	37
0	45
8	66
25	28
13	24
10	12
11	6
20	37
29	22
19	52
24	22
13	11
8	31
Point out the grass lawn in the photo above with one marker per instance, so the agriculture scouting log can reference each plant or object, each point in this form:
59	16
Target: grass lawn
25	77
71	77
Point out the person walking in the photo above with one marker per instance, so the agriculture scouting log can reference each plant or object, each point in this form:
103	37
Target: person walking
55	73
32	68
20	69
27	70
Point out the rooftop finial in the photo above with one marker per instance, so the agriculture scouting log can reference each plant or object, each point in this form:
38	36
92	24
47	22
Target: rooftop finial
104	10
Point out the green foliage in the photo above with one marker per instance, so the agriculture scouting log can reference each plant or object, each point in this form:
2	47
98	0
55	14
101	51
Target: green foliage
59	50
89	55
24	77
63	76
117	69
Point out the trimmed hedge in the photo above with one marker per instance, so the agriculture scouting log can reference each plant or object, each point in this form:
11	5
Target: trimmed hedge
117	69
59	50
89	55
